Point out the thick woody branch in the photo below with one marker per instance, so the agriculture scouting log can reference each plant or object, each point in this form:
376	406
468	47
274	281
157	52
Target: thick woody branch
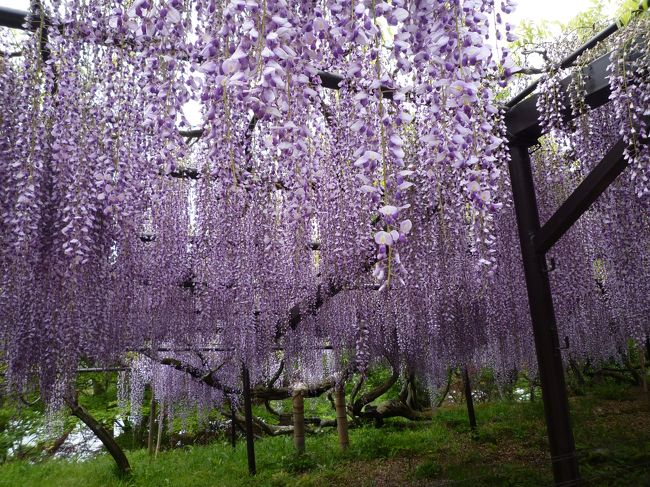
277	375
280	393
102	433
260	392
208	378
261	427
373	394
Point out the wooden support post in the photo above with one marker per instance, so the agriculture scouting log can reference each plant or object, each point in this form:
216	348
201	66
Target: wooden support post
161	419
233	425
152	422
341	416
469	399
248	413
299	420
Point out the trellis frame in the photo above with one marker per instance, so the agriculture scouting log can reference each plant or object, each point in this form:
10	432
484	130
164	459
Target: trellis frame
524	130
536	240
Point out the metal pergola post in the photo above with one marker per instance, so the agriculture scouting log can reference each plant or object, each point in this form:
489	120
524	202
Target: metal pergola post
248	413
469	399
547	345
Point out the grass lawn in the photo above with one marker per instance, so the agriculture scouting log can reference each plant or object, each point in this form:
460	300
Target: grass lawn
612	429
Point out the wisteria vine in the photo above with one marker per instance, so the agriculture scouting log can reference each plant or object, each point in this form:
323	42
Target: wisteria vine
176	176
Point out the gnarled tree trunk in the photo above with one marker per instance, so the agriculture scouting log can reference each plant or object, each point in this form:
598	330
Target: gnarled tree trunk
102	433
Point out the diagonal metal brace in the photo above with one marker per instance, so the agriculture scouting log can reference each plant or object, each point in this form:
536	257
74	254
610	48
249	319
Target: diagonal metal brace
596	182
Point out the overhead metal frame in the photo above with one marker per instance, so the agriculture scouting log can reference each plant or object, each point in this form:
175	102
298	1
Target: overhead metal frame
18	19
12	18
524	130
568	61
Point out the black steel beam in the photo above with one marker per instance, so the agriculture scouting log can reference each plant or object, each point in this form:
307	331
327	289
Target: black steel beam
185	173
248	413
597	181
17	19
568	61
571	58
12	18
333	81
330	80
540	301
522	120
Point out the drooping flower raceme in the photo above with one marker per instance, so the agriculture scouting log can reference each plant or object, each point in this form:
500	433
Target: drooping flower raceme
177	177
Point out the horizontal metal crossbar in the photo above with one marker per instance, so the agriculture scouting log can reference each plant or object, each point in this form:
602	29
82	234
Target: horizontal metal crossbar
12	18
567	62
276	348
17	19
522	120
571	58
522	117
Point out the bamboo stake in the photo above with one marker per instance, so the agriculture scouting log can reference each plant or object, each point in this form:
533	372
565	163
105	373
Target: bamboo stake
161	418
152	422
341	417
299	420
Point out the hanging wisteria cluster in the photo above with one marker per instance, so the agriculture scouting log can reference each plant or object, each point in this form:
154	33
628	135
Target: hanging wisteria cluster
176	177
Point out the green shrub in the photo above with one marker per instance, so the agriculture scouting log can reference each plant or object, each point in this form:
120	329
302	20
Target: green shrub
428	470
299	462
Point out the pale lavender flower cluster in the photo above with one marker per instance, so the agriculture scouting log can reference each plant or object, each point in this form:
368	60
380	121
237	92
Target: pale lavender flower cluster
263	223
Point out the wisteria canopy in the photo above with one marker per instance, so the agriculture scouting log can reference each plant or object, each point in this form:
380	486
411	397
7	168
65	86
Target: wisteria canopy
331	228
